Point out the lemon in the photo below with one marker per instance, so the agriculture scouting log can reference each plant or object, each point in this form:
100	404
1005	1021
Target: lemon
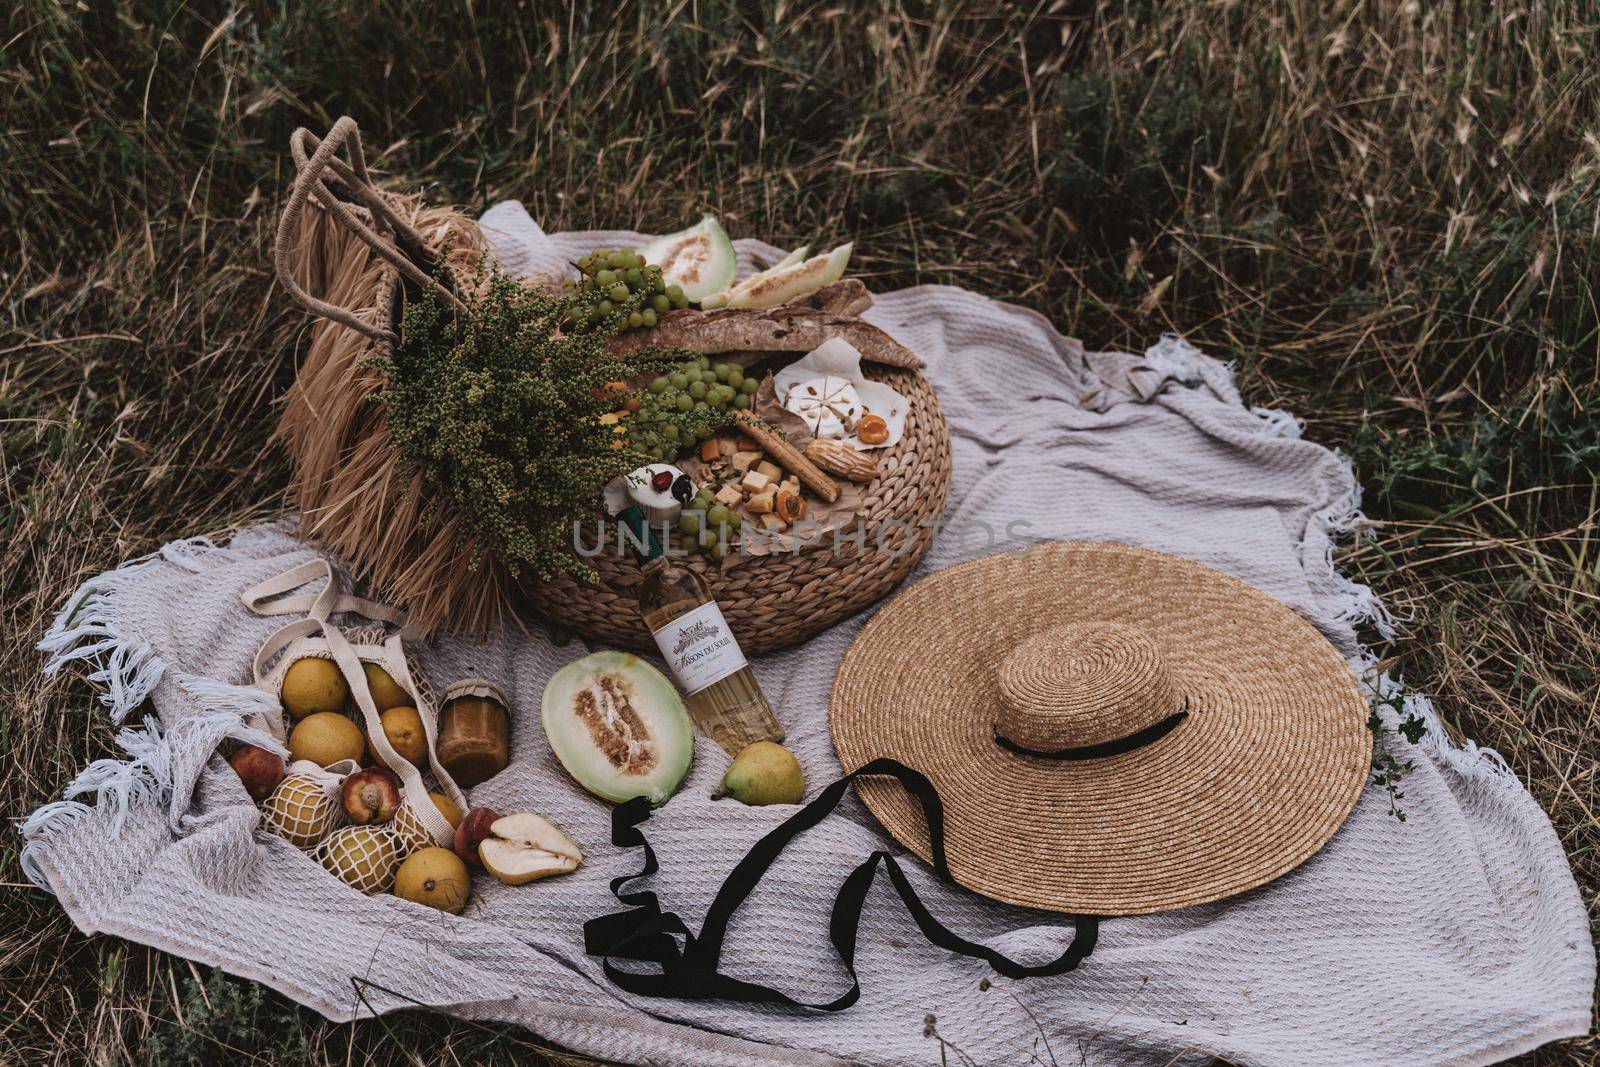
435	877
386	692
313	684
325	738
403	727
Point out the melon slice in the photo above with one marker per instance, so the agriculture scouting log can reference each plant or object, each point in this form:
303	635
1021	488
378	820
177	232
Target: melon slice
797	256
721	299
786	284
619	727
699	260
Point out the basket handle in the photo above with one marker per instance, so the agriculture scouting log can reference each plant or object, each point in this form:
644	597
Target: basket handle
391	237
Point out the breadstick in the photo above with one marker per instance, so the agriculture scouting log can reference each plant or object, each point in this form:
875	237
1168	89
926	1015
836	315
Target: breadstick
789	458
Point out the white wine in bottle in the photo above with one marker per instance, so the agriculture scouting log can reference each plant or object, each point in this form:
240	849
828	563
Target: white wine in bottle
721	691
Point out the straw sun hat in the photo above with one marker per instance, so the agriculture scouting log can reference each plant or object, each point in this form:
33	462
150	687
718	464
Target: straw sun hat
1113	731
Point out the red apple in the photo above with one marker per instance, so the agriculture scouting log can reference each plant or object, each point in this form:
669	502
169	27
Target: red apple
371	796
258	769
473	829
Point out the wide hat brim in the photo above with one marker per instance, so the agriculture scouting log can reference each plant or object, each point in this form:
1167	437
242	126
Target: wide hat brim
1260	774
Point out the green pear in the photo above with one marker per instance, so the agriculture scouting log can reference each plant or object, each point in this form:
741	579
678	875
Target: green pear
763	773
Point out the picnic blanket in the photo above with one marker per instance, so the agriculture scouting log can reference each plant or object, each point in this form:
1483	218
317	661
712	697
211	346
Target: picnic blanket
1454	936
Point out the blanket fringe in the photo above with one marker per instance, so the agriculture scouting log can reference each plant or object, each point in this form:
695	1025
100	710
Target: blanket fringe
1466	757
241	700
119	785
1343	519
1176	358
85	629
1359	605
145	777
1279	423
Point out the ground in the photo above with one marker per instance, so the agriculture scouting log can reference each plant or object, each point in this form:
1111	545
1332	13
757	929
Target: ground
1386	214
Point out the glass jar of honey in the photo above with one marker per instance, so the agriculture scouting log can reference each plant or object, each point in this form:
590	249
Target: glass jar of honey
474	731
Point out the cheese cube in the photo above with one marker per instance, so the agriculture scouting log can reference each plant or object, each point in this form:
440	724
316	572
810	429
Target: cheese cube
761	503
771	522
754	481
743	461
770	469
730	495
727	445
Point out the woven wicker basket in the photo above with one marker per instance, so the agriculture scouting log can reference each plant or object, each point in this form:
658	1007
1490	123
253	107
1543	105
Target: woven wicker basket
782	599
367	250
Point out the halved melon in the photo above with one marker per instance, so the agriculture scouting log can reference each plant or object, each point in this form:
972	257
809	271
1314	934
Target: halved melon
619	727
786	284
700	260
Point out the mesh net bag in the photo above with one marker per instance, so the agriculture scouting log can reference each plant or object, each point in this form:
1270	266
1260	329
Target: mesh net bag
352	648
363	857
305	807
410	828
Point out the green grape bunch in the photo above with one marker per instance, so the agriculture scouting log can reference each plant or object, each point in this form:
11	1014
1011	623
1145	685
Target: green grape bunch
697	389
616	290
708	525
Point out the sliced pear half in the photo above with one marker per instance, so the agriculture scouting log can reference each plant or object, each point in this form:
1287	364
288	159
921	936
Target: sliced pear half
525	847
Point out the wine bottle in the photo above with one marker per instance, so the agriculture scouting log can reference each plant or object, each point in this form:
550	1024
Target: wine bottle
719	687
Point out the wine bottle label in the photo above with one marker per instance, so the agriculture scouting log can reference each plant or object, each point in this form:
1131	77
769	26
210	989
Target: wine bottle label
700	648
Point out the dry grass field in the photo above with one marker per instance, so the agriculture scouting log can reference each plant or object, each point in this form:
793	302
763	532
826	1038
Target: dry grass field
1386	213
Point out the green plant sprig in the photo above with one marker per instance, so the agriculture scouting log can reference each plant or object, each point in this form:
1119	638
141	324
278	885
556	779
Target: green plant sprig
501	410
1387	769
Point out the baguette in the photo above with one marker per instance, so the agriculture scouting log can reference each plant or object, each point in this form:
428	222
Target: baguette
791	328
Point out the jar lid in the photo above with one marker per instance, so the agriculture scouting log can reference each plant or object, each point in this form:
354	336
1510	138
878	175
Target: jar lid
475	687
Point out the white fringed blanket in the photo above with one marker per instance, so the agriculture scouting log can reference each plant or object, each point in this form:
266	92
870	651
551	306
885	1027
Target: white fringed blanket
1457	936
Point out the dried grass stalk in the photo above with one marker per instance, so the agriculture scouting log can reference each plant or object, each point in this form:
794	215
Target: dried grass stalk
358	499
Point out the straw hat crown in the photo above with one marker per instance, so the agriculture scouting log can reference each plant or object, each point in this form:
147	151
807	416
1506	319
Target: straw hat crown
1082	684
